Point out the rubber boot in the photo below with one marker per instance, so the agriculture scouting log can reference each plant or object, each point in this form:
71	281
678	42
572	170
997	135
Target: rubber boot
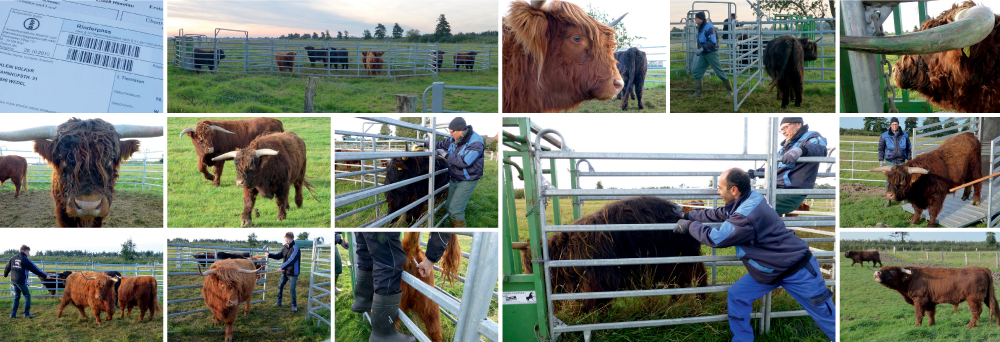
697	88
29	316
457	223
295	307
729	87
384	314
278	303
363	291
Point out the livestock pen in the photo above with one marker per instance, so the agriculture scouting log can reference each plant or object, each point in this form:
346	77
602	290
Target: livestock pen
552	317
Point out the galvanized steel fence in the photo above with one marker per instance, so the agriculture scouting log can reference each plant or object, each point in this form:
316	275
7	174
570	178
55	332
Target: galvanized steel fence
143	172
185	264
437	93
320	265
127	270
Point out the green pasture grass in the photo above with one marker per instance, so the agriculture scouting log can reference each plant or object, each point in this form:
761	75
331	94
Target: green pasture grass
194	202
653	99
862	210
480	213
351	326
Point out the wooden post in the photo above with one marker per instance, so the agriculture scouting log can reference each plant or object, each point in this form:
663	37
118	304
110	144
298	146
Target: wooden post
310	94
406	103
893	249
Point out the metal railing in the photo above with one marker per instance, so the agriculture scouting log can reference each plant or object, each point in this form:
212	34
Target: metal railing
656	57
127	270
437	96
855	156
186	265
320	264
992	202
143	176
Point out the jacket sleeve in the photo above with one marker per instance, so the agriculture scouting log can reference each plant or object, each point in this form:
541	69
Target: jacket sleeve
815	146
291	258
711	41
443	144
708	215
436	245
474	150
734	231
881	148
6	270
275	255
34	269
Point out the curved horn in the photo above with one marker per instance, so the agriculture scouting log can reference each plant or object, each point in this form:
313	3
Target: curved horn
266	152
186	131
226	156
86	277
209	272
246	271
43	132
881	169
818	39
613	23
537	4
115	279
220	129
137	131
969	28
908	271
919	170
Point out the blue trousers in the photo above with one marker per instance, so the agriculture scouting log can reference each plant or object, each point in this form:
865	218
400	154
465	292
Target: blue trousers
281	286
806	286
21	289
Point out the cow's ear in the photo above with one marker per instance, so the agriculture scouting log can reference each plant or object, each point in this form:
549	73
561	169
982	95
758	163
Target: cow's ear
45	148
914	177
531	26
128	147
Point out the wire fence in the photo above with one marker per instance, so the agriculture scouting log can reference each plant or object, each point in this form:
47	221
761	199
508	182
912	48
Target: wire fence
41	289
139	172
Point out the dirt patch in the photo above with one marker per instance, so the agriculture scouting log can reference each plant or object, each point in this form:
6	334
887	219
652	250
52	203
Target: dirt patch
855	189
129	209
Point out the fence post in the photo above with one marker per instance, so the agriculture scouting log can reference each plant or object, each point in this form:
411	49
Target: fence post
437	97
966	258
310	94
893	249
406	103
942	256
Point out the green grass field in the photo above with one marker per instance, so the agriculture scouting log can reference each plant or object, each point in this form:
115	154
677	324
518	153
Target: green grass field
194	202
816	98
651	308
352	327
654	99
872	312
480	213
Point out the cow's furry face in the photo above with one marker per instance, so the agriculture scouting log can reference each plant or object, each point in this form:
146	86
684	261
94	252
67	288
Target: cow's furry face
847	254
810	49
247	164
911	72
892	277
900	180
203	139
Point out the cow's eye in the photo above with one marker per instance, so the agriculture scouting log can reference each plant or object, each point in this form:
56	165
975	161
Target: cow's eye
576	39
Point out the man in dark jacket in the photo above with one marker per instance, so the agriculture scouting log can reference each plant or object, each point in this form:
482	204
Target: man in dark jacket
464	153
799	142
708	52
771	253
380	259
20	265
291	258
893	148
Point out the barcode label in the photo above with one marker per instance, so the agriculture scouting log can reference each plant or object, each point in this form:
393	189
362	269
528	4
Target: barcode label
97	59
103	45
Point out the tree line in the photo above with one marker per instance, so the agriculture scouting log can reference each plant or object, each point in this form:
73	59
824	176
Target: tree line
989	243
875	126
442	34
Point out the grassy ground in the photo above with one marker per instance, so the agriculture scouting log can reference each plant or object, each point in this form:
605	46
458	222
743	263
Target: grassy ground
816	98
294	326
650	308
132	207
352	327
654	99
188	189
872	312
480	213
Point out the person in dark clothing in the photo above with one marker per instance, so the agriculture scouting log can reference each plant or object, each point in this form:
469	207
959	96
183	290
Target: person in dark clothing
893	148
380	259
464	153
708	52
729	24
18	268
338	267
799	142
771	253
291	258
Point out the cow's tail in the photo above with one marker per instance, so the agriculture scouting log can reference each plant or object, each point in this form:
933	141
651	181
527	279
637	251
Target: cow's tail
451	260
992	300
155	301
24	179
311	190
781	73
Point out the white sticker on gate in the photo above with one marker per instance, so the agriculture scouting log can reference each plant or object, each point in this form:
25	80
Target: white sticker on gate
519	297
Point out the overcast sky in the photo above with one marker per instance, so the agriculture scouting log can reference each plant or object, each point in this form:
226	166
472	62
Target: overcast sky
859	123
665	134
88	239
240	234
276	18
717	12
16	122
911	17
485	125
918	236
645	18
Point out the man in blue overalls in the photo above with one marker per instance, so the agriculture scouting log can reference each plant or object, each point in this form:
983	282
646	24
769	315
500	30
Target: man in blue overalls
893	148
771	253
708	52
799	142
464	153
20	265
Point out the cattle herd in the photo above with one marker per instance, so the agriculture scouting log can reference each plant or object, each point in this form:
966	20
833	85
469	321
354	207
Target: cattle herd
373	62
102	292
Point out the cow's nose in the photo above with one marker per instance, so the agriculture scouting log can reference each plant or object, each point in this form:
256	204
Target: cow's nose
211	149
239	182
89	206
890	196
619	84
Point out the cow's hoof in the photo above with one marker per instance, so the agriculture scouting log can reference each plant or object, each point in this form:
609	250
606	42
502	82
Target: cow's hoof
256	212
976	203
281	217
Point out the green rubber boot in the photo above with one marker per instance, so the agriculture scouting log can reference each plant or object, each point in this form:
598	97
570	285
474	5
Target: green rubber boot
697	89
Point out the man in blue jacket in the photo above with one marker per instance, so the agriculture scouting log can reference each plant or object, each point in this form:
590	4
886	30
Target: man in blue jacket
771	253
20	265
799	142
708	50
464	153
291	258
893	148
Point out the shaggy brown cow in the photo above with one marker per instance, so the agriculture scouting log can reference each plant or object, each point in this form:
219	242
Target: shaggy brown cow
285	60
859	257
90	289
623	245
556	56
466	59
227	284
438	57
802	207
270	165
141	292
784	60
14	168
413	300
950	79
373	61
85	156
926	287
925	180
209	144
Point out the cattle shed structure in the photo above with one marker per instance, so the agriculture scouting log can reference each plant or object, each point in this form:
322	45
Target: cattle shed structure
372	150
39	290
469	313
540	150
742	44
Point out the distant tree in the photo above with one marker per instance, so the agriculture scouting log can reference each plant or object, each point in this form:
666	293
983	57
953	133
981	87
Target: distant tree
991	239
282	37
409	132
397	31
315	36
128	249
899	235
385	130
303	236
622	37
493	144
307	35
366	34
252	240
347	35
327	35
340	35
599	185
711	183
380	31
930	120
443	28
911	123
876	124
966	128
412	35
815	8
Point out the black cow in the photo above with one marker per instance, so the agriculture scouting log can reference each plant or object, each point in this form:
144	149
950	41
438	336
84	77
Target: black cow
632	67
206	57
784	60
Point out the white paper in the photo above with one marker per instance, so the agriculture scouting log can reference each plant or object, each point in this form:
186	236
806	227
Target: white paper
81	56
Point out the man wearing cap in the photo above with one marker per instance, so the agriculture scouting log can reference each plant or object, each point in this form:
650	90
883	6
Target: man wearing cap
799	142
771	253
893	148
464	153
20	265
708	49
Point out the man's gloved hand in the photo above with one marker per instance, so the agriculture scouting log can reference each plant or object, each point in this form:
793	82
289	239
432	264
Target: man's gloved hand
750	172
442	153
791	156
881	163
682	226
700	51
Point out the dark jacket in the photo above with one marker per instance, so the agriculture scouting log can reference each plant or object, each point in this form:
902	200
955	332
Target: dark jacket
707	39
436	245
767	249
19	265
800	175
894	147
465	157
291	257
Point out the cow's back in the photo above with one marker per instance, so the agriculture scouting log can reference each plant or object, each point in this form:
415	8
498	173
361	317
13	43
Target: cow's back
12	167
245	131
291	156
954	161
949	284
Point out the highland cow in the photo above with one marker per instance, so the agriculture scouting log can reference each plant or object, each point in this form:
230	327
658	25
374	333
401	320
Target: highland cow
632	67
285	60
784	60
400	169
228	284
206	58
859	257
210	142
89	289
466	59
373	61
14	168
141	292
414	301
926	287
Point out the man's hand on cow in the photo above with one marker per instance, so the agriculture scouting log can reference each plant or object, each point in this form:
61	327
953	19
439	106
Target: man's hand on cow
682	226
791	156
442	152
425	268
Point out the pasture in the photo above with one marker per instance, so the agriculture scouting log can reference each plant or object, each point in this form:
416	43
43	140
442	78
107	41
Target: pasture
194	202
480	213
352	327
664	307
132	207
872	312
